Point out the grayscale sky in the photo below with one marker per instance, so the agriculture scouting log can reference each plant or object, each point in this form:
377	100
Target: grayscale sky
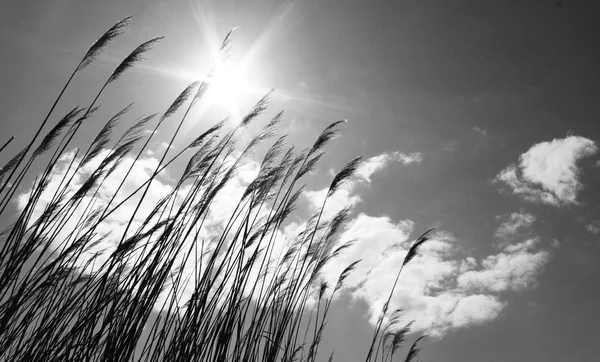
478	116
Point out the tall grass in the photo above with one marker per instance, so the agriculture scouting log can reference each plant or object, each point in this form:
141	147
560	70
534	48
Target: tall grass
62	299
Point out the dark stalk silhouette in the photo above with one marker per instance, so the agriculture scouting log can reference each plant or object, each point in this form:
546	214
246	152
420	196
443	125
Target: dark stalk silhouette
172	280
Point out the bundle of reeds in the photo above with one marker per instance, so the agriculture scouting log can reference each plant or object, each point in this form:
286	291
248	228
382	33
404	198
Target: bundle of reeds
61	298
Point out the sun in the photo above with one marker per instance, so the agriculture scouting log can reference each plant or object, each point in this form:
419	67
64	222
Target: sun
228	87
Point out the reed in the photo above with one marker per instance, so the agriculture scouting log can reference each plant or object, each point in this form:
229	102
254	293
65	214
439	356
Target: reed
166	291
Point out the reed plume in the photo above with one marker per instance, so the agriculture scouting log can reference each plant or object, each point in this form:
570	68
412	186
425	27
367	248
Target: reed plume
94	268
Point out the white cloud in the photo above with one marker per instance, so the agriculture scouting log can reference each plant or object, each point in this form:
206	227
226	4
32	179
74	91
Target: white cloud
476	309
375	241
406	159
346	195
435	289
516	221
548	171
140	172
378	163
115	224
593	227
514	268
510	176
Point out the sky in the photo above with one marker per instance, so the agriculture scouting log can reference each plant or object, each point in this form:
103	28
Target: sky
478	117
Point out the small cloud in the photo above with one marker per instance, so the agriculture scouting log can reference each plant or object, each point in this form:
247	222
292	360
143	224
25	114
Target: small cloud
593	227
377	163
548	171
407	159
346	195
555	243
516	221
481	131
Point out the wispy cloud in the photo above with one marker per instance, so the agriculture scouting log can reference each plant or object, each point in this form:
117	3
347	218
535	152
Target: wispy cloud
514	223
481	131
377	163
347	195
512	269
548	171
593	227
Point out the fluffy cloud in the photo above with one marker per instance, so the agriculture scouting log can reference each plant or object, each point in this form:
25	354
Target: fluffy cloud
114	226
475	309
548	171
516	221
344	197
378	163
437	290
512	269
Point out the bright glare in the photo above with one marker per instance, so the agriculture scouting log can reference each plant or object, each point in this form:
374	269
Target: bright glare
228	87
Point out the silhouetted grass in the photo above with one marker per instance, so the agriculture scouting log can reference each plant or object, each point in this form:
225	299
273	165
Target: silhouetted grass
61	300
